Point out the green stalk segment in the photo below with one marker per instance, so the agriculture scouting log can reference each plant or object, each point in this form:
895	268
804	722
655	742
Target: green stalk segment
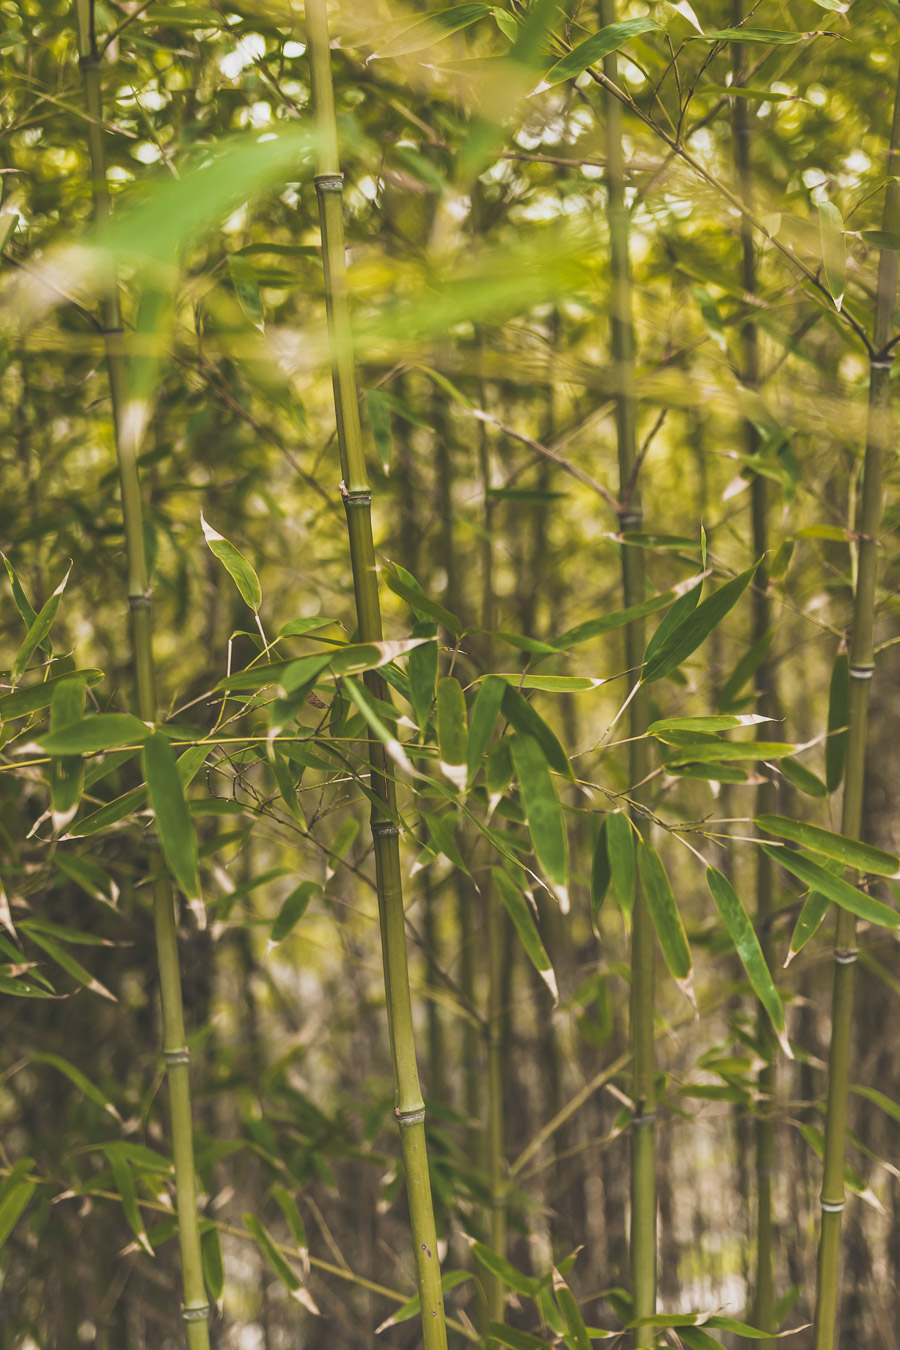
862	664
195	1310
409	1107
764	1301
643	1134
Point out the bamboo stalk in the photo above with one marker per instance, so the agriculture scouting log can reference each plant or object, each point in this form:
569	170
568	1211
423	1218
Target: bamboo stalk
766	702
643	1131
195	1310
862	665
409	1108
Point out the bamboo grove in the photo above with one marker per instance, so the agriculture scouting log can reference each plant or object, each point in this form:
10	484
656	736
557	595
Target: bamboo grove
466	911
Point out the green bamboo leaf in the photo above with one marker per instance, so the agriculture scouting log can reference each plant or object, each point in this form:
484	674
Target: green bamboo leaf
523	920
803	778
497	772
426	32
404	584
695	1338
22	603
383	733
246	288
235	564
882	239
102	731
836	889
607	622
288	1206
17	988
380	423
498	1333
423	667
38	632
552	684
33	697
601	874
76	1077
746	943
15	1192
685	639
284	778
887	1105
744	670
93	879
770	36
707	753
593	49
620	845
110	814
544	814
680	612
69	964
815	907
521	715
503	1269
441	835
453	732
340	845
709	773
450	1279
834	251
850	852
66	772
213	1266
285	1272
173	819
124	1179
292	911
488	702
571	1312
838	719
666	919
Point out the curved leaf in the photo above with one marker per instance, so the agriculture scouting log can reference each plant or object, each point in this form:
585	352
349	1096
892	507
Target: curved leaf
666	919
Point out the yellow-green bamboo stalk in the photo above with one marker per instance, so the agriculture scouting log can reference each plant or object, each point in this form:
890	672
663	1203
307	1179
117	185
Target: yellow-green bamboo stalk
764	1296
409	1107
195	1309
862	665
643	1132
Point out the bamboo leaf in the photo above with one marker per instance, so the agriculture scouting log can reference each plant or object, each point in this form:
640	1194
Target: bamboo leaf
685	639
601	874
453	733
66	772
76	1077
15	1192
235	564
884	239
666	919
102	731
838	719
815	907
620	845
803	778
288	1206
682	610
746	943
608	622
722	751
834	251
292	911
504	1270
488	702
744	670
213	1266
521	715
450	1279
850	852
173	819
571	1312
402	583
69	964
246	288
38	632
285	1272
423	667
593	49
380	423
124	1179
836	889
723	723
544	814
441	834
22	603
523	921
33	697
770	36
426	32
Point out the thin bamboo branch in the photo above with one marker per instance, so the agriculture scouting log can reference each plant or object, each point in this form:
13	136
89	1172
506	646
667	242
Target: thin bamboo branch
629	514
749	374
878	440
195	1310
409	1108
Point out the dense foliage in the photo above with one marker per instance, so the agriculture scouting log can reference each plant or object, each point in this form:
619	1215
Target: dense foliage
622	289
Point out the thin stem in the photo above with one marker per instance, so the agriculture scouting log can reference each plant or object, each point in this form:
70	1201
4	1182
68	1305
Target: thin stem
409	1107
196	1309
749	373
861	670
643	1134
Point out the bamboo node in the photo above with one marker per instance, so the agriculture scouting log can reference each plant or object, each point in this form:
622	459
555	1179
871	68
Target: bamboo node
882	362
195	1314
182	1056
644	1118
383	829
862	672
832	1206
329	182
628	519
846	957
91	61
356	496
413	1117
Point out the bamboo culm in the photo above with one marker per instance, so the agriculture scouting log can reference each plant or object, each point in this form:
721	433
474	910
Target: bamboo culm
195	1309
643	1129
409	1108
862	662
764	1297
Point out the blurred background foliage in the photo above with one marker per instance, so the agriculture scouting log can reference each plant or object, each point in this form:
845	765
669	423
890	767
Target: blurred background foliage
477	245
